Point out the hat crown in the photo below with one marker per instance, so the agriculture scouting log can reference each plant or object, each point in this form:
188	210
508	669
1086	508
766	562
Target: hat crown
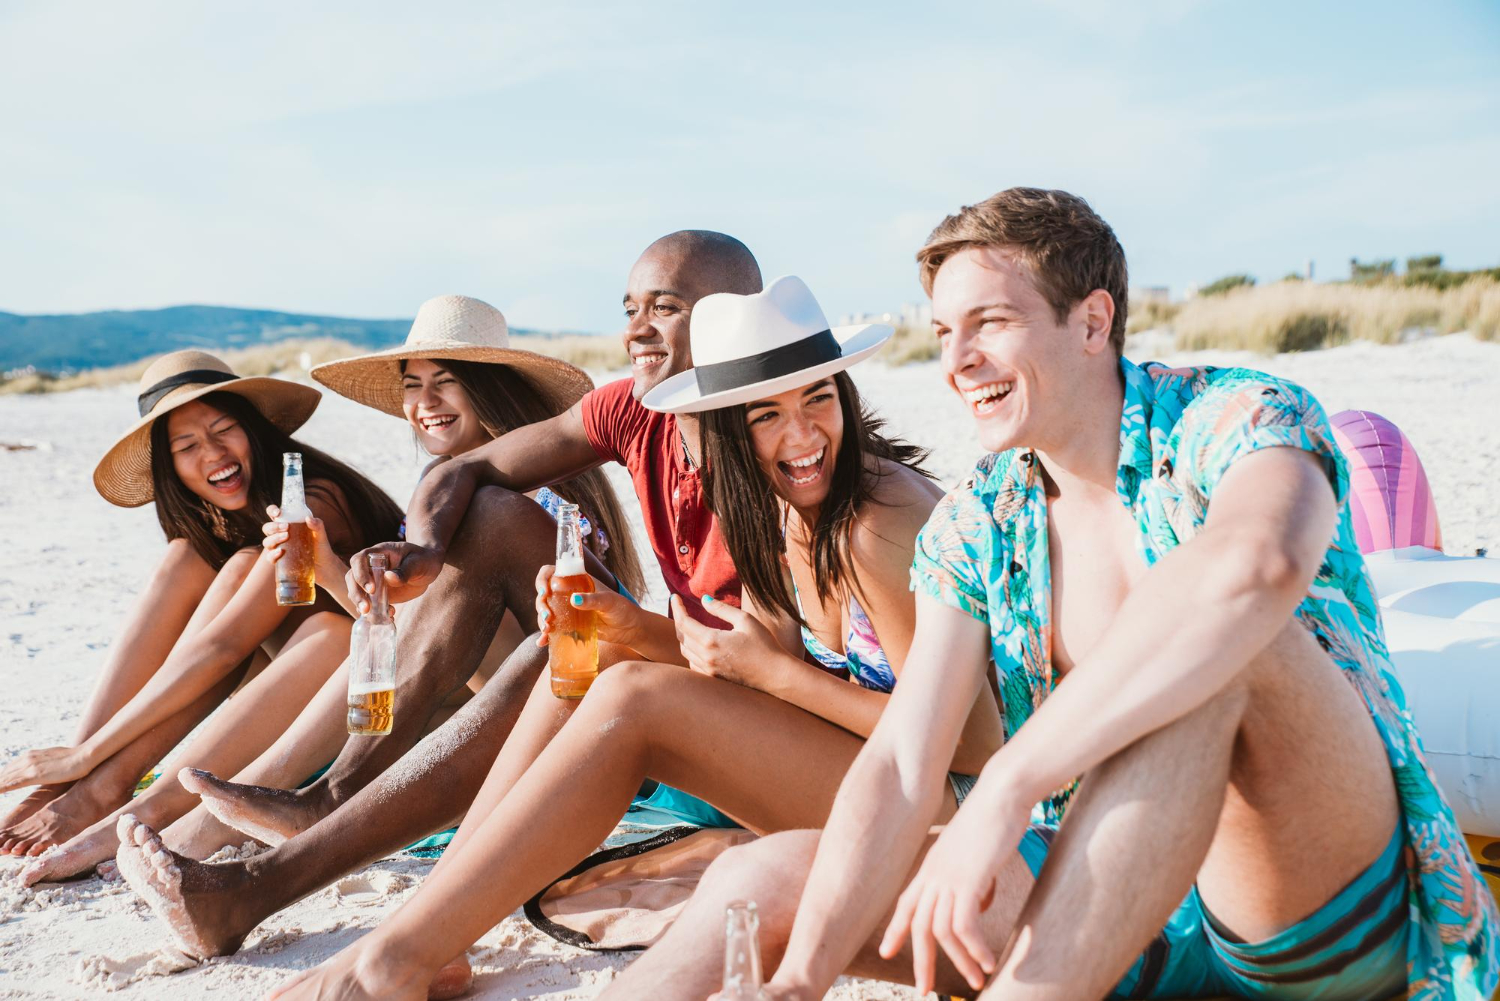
458	319
726	326
178	362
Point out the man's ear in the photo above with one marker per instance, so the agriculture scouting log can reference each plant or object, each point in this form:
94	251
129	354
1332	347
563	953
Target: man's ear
1097	312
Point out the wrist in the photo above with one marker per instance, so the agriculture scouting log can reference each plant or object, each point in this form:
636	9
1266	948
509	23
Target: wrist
1008	785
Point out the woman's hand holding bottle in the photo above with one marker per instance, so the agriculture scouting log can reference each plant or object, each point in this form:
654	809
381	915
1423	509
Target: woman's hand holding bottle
619	618
328	568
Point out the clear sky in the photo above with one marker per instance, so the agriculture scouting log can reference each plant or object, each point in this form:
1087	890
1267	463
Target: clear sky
357	158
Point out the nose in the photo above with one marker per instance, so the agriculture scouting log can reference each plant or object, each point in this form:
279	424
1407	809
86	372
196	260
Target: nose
428	397
637	327
801	431
959	353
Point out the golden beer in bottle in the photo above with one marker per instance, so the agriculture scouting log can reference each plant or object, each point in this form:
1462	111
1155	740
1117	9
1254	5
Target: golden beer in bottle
295	583
572	640
372	662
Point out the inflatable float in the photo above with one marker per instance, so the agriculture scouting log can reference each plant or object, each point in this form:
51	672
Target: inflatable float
1441	615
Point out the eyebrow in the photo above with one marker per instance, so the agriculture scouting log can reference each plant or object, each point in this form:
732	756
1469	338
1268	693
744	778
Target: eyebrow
761	404
655	293
991	305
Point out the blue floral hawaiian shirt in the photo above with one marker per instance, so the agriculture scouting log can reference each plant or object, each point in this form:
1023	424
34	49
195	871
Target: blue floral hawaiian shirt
984	551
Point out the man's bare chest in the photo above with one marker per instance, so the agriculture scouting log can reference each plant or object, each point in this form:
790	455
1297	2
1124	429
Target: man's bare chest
1095	561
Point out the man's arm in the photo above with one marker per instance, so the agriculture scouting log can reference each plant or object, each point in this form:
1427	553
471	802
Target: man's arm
889	799
529	457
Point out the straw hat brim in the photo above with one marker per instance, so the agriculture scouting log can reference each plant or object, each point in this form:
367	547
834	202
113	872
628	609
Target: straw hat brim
679	394
375	379
123	476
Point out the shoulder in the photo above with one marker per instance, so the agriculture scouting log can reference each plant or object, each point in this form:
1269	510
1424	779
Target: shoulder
885	531
1219	397
613	417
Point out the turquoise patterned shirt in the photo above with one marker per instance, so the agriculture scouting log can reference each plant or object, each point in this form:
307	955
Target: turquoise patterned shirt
984	551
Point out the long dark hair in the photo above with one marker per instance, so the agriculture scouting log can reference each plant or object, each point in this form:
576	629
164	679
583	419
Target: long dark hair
504	400
216	534
735	489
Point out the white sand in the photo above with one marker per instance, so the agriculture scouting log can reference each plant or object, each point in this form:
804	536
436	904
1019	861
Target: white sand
72	564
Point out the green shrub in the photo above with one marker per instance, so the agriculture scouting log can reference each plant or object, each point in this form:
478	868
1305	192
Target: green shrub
1222	285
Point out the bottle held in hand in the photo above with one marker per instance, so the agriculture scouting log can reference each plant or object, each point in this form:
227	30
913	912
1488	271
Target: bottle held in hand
741	953
572	640
296	569
372	662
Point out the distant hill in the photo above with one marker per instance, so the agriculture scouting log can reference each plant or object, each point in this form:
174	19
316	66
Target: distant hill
78	341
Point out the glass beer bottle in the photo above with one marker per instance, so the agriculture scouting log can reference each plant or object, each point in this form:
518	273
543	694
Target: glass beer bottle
573	657
294	571
741	953
372	662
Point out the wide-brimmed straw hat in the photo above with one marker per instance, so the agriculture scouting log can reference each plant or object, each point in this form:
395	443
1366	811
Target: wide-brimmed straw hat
123	476
458	328
748	347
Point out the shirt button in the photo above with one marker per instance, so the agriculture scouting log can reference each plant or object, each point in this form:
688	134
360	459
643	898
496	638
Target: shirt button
675	493
683	550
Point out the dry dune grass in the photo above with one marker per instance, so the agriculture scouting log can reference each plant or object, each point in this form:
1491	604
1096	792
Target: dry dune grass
1301	316
293	355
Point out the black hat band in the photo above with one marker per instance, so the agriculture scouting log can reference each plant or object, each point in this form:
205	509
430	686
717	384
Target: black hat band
784	360
195	377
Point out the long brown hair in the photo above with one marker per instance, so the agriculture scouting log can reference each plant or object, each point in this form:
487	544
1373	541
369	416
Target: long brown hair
504	400
216	534
735	489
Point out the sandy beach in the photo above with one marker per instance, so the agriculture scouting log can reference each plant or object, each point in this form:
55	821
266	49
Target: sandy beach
74	564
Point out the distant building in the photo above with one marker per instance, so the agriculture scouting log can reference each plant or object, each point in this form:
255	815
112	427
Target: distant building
916	315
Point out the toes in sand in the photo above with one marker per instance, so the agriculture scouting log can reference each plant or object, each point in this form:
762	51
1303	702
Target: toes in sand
158	876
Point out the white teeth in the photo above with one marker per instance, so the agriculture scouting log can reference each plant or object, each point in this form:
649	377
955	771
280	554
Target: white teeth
642	360
811	460
223	474
982	393
429	423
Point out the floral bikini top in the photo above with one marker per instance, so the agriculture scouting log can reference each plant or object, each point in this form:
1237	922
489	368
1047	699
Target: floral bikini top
863	657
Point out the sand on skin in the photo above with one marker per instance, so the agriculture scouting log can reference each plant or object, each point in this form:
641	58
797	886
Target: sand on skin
74	562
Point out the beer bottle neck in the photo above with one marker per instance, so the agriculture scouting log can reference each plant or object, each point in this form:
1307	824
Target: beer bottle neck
378	612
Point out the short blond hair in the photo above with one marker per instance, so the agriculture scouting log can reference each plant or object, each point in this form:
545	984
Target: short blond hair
1068	248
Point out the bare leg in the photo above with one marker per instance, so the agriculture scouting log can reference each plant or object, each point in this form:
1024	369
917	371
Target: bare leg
1273	796
742	750
504	539
772	871
248	722
181	597
217	905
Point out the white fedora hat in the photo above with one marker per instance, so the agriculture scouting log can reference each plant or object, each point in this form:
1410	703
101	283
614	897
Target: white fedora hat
123	476
458	328
748	347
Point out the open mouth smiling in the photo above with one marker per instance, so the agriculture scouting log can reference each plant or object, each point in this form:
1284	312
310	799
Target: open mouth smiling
646	359
437	422
985	400
227	478
805	470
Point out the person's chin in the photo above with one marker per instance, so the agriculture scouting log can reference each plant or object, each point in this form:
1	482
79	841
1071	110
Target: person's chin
647	379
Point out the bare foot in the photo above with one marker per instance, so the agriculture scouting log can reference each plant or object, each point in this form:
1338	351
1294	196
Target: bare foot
359	971
195	900
88	801
199	834
34	801
269	815
77	857
452	981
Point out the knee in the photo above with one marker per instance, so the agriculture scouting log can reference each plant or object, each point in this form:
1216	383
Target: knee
768	871
630	684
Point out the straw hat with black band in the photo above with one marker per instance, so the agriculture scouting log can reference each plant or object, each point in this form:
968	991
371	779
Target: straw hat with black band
123	476
458	328
748	347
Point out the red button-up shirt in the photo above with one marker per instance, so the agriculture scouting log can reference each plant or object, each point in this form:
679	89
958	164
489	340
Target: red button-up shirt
683	532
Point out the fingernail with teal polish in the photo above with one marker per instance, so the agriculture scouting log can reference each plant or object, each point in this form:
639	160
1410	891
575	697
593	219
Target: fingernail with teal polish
543	616
708	599
576	600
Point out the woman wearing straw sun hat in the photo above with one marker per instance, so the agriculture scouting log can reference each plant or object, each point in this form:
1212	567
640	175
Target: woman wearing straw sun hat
820	511
206	449
458	383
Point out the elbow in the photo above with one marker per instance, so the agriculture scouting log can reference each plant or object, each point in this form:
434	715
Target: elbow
1259	567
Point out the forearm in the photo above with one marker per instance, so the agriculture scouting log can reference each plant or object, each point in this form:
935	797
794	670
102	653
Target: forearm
441	499
842	703
179	682
846	897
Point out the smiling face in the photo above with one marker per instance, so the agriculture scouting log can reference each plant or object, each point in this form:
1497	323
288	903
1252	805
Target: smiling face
796	437
1005	352
658	301
438	409
210	454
